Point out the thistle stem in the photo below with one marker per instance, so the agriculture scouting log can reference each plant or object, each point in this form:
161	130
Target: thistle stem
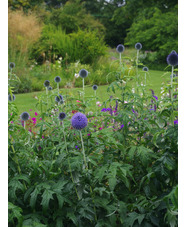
171	83
86	166
58	88
83	90
24	124
69	160
83	150
120	59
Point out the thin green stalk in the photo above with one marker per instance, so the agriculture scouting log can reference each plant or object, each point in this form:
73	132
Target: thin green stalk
69	161
47	95
83	90
58	88
171	83
86	166
120	59
83	150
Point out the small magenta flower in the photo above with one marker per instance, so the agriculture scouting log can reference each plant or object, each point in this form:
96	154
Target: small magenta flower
145	69
25	116
83	73
57	79
94	87
46	83
120	48
36	113
11	65
172	58
138	46
11	98
79	121
62	116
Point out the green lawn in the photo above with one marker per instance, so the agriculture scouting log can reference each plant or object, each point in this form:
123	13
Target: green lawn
27	101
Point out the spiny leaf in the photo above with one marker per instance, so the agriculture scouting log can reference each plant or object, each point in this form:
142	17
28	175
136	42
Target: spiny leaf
47	196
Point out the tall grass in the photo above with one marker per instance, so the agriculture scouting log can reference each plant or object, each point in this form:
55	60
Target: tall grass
23	32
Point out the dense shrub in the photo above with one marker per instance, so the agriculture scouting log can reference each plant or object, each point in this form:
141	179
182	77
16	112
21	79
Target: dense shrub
84	45
156	30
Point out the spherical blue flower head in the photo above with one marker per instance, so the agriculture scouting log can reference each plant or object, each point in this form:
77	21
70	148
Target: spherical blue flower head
172	58
11	65
57	79
62	116
79	121
57	99
61	101
25	116
94	87
11	98
145	69
49	88
120	48
46	83
138	46
83	73
61	97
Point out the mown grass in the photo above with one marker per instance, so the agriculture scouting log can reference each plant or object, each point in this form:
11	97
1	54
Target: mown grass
28	101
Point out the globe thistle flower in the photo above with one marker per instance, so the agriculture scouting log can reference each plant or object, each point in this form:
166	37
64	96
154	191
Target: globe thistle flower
46	83
25	116
83	73
61	101
61	97
11	65
172	58
79	121
120	48
94	87
49	88
138	46
57	79
62	116
145	69
11	98
57	99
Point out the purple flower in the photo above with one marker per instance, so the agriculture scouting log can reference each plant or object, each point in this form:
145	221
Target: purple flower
62	116
122	126
57	79
36	113
155	97
83	73
138	46
25	116
152	91
120	48
176	122
79	121
46	83
172	58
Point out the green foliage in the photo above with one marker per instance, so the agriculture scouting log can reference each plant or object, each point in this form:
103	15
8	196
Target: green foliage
84	45
145	28
73	16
